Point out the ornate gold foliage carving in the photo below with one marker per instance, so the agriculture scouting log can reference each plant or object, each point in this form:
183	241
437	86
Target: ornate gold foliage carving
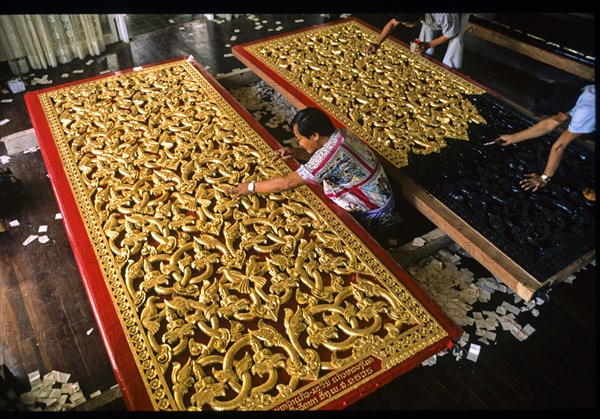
226	304
398	102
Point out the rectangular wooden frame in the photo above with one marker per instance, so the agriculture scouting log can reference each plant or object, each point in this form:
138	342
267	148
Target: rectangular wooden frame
485	252
125	365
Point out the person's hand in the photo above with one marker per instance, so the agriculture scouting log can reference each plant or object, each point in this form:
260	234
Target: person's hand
505	139
533	182
239	190
419	48
372	48
286	153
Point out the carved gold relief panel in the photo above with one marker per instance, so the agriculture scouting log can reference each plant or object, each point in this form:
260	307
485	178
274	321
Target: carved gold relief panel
226	304
396	101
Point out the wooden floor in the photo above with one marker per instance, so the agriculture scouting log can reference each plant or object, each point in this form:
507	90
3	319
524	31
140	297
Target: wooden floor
47	323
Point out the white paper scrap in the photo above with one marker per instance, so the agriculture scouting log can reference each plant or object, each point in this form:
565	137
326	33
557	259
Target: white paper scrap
63	377
490	335
78	395
43	239
43	229
227	55
14	223
77	71
35	375
105	71
171	21
4	159
511	308
6	100
233	38
4	121
429	361
89	62
51	376
473	353
95	394
89	332
58	216
519	334
528	330
28	398
35	383
299	20
418	241
30	239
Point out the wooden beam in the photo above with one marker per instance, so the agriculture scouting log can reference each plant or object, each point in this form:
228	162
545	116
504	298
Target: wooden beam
409	253
564	63
99	402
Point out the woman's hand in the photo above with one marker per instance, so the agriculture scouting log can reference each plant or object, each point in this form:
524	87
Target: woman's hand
239	190
505	139
533	182
420	47
372	48
286	153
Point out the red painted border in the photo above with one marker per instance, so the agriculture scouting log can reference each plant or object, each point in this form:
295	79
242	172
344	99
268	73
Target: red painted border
122	360
100	299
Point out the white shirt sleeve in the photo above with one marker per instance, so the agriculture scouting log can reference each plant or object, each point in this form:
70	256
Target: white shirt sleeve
583	115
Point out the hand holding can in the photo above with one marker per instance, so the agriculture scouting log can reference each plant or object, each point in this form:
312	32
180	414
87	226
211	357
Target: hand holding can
414	45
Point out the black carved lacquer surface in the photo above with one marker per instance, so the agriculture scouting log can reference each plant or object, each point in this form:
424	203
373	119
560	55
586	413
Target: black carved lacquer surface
543	232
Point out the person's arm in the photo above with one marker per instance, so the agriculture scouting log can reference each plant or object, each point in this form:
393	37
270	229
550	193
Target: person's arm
541	128
450	23
424	46
534	181
385	32
278	184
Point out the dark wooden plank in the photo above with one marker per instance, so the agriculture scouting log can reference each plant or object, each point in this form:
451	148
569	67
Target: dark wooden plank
567	64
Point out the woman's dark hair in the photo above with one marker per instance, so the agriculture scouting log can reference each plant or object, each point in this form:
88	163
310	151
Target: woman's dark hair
409	17
556	97
311	120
